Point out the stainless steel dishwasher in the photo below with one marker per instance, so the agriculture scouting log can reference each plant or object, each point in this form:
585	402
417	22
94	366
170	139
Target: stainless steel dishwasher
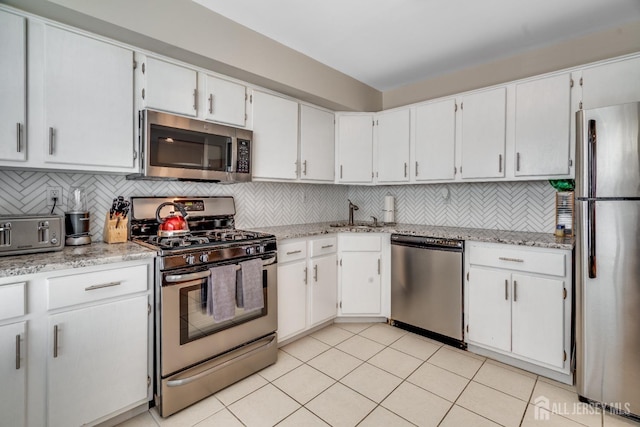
426	286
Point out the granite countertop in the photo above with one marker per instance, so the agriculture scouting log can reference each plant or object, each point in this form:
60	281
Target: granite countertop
542	240
73	257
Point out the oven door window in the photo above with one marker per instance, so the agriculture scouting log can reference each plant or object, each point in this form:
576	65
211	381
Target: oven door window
195	323
177	148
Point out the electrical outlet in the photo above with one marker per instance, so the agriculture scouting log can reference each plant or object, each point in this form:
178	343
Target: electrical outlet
54	192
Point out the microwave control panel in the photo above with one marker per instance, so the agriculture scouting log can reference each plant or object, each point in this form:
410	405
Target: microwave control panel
244	156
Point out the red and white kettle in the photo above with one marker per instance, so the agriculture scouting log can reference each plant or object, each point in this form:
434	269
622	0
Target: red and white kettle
172	225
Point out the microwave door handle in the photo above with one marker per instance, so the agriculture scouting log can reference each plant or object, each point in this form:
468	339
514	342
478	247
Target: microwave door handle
230	156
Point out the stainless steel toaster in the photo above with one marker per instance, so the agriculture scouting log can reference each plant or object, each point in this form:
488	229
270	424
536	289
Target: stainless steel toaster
25	234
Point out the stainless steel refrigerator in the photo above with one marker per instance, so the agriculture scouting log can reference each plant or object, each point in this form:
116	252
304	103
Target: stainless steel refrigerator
608	257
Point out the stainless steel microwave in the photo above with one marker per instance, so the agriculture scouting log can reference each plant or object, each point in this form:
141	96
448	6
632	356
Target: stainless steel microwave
180	148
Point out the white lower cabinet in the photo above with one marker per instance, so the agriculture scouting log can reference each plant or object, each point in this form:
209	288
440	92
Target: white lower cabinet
364	275
519	303
307	284
13	371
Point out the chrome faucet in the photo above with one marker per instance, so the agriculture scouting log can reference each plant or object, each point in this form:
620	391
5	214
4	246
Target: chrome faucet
375	221
352	208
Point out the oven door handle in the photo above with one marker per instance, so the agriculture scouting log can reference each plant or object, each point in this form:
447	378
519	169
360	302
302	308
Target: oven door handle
176	278
185	381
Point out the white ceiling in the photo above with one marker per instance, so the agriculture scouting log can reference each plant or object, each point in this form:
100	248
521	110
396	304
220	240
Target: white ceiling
391	43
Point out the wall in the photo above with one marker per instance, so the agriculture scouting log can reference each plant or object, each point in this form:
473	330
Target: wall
522	206
257	204
519	206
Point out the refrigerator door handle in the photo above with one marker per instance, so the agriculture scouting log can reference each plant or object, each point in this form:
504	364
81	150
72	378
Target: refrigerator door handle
591	238
591	159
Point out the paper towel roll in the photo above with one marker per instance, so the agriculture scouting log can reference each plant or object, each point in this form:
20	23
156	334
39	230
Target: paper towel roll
389	209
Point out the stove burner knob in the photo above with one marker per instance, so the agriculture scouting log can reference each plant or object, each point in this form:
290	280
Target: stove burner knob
190	259
251	250
204	258
260	249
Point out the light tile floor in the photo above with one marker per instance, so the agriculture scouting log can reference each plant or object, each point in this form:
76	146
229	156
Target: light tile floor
372	374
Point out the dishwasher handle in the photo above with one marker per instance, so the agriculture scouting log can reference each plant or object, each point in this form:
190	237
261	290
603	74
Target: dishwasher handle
436	243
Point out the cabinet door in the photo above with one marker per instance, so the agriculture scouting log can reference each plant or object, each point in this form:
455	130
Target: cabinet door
101	361
13	111
543	120
225	101
88	101
483	134
360	283
355	148
489	318
538	319
611	84
435	141
275	137
393	146
317	144
324	289
292	298
170	87
13	365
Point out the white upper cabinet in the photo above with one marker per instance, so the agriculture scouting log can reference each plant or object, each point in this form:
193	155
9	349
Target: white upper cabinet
483	134
169	87
393	146
434	143
275	137
355	148
611	84
317	144
543	126
88	108
13	111
224	101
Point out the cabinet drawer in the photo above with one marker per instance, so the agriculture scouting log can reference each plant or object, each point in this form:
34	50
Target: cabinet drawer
97	285
543	262
360	243
323	246
12	300
291	251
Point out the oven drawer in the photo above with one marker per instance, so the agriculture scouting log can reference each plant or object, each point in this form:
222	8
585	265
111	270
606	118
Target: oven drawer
291	251
12	300
95	286
323	246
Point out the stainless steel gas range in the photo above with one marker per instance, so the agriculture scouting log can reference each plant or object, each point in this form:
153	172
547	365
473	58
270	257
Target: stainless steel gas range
198	353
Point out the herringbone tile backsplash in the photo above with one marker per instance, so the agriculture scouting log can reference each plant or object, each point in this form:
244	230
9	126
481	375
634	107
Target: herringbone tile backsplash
522	206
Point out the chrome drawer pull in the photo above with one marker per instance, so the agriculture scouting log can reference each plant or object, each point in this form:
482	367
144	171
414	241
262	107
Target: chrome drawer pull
294	252
104	285
55	341
515	290
506	290
326	246
510	259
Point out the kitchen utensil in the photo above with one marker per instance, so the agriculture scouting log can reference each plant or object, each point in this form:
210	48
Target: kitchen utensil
172	225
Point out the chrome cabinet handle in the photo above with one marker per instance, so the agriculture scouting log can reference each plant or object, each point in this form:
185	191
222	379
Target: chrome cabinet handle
304	165
55	341
19	136
515	291
104	285
305	276
210	103
51	137
326	246
378	266
294	252
518	162
195	99
315	273
502	258
17	351
499	162
416	168
405	169
340	171
506	290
